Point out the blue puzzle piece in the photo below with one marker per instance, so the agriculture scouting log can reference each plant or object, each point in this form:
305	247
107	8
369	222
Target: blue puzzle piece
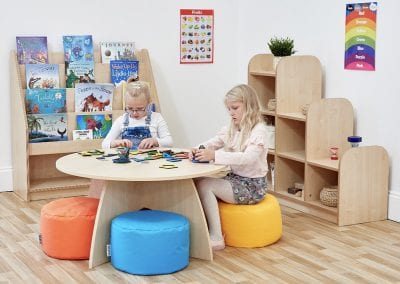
173	159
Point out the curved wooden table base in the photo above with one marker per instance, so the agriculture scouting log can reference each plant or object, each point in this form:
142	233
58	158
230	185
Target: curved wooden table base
178	196
133	186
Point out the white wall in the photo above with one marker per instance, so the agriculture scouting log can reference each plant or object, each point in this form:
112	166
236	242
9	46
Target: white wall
318	28
191	95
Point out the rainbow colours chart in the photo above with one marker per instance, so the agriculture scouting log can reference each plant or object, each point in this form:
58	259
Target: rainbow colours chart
360	36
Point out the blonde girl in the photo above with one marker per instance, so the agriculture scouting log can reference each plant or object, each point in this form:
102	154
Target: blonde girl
243	146
140	126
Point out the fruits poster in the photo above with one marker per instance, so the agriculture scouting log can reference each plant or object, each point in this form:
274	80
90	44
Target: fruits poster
197	36
360	36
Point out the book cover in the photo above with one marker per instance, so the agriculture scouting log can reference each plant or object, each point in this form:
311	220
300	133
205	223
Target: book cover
47	127
93	97
121	70
79	72
45	101
82	134
32	50
99	123
117	51
78	48
45	76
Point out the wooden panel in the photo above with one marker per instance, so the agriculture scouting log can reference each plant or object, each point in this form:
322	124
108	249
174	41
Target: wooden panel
262	64
19	130
59	183
363	182
43	166
287	172
63	147
262	77
329	123
290	135
298	82
317	178
178	196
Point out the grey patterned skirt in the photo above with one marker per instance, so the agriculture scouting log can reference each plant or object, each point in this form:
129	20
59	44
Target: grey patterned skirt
247	190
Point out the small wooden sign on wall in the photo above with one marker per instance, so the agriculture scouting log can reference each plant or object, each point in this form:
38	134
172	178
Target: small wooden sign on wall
360	36
197	36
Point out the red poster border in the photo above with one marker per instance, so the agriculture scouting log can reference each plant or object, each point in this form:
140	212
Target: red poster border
205	12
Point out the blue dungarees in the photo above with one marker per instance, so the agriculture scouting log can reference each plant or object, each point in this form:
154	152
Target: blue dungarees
138	133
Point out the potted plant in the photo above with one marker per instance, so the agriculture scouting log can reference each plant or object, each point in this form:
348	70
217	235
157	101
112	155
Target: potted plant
281	47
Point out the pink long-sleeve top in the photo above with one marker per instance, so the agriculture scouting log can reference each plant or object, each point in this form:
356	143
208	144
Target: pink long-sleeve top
250	162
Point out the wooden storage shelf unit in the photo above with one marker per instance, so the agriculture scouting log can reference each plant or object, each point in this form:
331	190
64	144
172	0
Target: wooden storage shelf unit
34	173
303	142
287	172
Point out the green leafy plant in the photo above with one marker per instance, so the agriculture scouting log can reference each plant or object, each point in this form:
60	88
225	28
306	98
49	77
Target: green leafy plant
281	46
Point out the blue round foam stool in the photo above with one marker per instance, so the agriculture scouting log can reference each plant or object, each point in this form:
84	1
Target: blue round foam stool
150	242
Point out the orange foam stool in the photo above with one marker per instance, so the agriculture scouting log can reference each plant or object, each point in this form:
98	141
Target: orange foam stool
66	227
251	226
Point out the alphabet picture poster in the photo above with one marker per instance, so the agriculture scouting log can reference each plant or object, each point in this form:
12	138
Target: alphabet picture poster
197	36
360	36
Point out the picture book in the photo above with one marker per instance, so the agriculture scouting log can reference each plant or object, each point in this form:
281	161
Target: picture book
78	48
32	49
117	51
82	134
45	76
79	72
121	70
47	127
93	97
45	101
99	123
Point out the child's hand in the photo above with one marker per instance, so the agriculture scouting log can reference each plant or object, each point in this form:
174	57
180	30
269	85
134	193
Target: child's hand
148	143
204	155
192	153
121	143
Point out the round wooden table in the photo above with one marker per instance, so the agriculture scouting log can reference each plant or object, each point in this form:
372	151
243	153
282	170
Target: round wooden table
135	185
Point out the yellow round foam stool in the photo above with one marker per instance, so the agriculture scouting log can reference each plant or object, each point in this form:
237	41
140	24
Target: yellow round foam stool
251	226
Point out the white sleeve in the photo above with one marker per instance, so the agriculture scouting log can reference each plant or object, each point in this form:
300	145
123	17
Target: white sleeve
164	137
218	141
114	133
256	146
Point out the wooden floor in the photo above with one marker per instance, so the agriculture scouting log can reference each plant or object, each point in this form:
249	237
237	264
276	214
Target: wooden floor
310	251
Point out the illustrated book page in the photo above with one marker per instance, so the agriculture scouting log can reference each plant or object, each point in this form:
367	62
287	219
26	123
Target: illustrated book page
45	101
93	97
47	127
117	51
99	123
32	49
45	76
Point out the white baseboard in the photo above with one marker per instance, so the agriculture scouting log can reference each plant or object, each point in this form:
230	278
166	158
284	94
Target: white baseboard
394	206
6	179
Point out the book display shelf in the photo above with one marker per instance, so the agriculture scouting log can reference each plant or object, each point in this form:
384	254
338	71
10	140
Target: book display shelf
302	144
34	173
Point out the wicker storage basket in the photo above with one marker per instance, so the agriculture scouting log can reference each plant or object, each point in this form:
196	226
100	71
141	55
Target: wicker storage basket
329	196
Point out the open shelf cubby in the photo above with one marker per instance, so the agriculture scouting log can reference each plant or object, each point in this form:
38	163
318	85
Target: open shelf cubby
303	142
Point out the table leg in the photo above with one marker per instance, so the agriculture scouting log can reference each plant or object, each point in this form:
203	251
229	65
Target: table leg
178	196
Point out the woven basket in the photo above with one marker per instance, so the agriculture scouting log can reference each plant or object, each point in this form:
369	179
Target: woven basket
329	196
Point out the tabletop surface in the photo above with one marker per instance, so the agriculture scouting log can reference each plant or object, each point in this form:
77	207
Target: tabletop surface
90	167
